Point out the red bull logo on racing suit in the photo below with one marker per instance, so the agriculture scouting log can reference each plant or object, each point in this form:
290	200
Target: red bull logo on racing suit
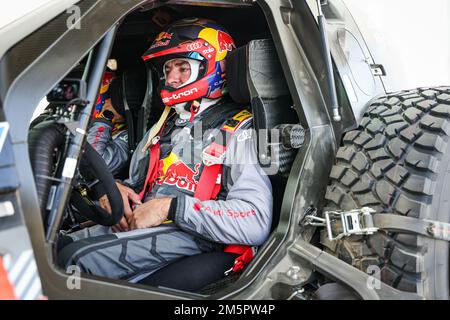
176	173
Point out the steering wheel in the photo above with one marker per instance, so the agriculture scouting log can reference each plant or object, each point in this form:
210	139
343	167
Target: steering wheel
49	136
91	161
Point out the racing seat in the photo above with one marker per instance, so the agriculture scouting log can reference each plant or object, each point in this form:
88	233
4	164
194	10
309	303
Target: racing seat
276	122
254	76
136	100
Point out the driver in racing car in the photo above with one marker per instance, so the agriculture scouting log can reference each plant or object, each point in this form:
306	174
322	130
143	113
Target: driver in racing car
195	185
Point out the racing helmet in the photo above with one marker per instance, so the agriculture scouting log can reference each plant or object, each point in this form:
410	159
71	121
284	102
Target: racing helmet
104	93
111	88
205	45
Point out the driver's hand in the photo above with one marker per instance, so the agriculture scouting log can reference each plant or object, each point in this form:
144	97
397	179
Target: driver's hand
151	214
127	195
122	225
104	203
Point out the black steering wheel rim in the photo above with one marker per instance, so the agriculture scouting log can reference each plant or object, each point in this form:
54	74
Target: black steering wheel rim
93	162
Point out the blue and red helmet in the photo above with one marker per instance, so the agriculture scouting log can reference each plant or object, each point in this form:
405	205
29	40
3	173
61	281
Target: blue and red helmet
104	94
193	39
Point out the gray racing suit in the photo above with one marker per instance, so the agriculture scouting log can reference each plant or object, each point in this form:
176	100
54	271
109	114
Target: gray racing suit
113	148
241	214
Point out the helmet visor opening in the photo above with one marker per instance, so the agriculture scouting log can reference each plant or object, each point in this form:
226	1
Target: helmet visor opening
179	72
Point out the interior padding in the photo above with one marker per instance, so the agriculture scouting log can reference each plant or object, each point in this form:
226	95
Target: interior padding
264	70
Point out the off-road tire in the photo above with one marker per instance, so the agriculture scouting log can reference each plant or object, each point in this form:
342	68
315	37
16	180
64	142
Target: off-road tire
398	161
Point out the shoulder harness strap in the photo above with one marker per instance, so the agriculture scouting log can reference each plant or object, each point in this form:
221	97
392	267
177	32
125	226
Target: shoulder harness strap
213	157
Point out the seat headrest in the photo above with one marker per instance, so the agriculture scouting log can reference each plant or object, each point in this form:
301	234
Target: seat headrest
254	70
116	95
134	86
237	66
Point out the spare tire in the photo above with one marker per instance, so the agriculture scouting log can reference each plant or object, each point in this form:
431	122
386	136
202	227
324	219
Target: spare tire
398	161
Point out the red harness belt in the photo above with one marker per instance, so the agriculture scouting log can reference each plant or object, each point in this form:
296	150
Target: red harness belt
152	172
208	186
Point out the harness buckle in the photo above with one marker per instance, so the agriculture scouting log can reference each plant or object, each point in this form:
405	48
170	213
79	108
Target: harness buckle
210	160
214	154
155	140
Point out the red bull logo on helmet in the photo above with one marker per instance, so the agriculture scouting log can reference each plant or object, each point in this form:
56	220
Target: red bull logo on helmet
163	36
162	40
225	41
